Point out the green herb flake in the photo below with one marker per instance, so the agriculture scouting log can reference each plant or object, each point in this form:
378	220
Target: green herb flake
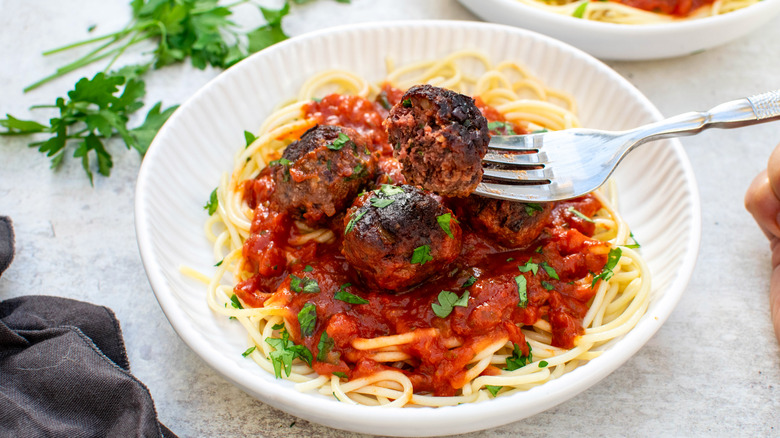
381	202
517	360
549	270
493	389
213	203
612	259
339	142
306	285
547	285
340	375
447	301
469	282
285	352
529	266
249	137
282	161
634	245
444	223
248	351
522	291
407	103
502	128
422	255
390	190
580	11
543	364
353	221
219	263
308	268
531	208
579	214
347	297
235	303
307	318
324	346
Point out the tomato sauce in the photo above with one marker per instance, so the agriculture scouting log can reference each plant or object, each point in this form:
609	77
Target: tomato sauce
440	353
677	8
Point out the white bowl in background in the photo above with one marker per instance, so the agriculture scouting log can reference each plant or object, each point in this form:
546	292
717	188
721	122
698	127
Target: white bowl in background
629	42
659	199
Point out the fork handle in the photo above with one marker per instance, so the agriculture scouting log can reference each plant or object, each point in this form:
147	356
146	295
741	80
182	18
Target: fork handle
760	108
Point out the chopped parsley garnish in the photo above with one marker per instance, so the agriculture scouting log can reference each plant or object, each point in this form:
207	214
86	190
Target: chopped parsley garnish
219	263
249	137
635	244
407	103
547	285
543	364
285	352
324	346
347	297
340	374
444	223
282	161
549	270
382	99
307	317
353	221
306	285
580	11
510	259
531	208
422	254
339	142
279	326
235	303
213	203
390	190
493	389
248	351
381	202
447	301
606	273
529	266
522	290
504	128
579	214
539	131
469	282
308	268
517	360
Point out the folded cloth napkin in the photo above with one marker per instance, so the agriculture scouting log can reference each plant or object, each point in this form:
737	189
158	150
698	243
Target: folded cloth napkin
64	372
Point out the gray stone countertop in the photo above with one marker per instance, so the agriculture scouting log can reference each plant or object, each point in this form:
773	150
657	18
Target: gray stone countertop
713	369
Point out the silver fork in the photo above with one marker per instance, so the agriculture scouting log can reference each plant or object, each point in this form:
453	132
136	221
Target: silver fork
558	165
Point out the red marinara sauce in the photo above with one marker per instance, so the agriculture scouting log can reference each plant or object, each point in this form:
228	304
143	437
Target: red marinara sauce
491	274
677	8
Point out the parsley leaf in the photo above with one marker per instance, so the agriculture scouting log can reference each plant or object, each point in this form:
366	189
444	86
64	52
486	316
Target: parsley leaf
422	255
501	128
213	203
249	137
390	190
347	297
235	303
547	285
308	268
493	389
531	208
447	301
339	142
549	270
543	364
285	352
579	214
606	273
522	290
324	346
580	11
635	244
444	223
469	282
517	360
529	266
306	285
353	221
381	202
407	103
248	351
340	374
307	318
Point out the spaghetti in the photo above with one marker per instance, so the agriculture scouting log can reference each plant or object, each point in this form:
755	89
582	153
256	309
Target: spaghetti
639	11
577	287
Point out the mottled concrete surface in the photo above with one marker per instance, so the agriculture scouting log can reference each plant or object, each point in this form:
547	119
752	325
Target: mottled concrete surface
712	370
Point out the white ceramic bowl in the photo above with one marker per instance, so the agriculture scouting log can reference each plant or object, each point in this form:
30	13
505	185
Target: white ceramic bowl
629	42
659	199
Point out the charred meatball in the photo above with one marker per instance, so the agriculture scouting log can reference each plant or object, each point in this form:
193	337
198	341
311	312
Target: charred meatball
440	137
398	236
511	224
319	175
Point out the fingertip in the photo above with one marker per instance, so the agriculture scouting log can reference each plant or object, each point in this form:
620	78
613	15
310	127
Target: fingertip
763	204
773	171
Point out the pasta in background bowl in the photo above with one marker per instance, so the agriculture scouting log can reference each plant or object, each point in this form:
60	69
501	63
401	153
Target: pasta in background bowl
639	36
199	142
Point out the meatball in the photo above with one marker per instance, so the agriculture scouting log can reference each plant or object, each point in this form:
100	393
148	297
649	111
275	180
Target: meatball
398	236
319	175
440	137
511	224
